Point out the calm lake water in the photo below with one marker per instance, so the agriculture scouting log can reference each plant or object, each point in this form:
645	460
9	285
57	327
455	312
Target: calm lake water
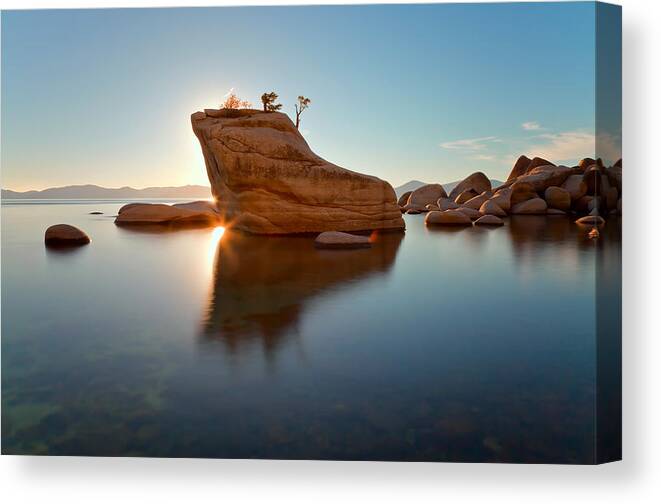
458	344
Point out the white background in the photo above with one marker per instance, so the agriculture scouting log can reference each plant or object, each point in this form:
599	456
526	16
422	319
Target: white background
636	479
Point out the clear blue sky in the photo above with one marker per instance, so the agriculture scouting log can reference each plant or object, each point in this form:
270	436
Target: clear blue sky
429	92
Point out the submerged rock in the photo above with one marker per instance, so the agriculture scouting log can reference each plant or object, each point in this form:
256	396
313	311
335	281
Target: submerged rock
65	235
339	240
267	180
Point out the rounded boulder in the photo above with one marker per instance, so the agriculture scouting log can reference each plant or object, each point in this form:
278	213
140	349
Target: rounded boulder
65	235
447	218
533	206
557	197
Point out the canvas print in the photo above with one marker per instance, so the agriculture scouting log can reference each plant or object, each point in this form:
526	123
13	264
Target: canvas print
375	232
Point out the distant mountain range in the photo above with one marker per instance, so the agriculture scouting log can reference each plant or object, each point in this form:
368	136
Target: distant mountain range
96	192
412	185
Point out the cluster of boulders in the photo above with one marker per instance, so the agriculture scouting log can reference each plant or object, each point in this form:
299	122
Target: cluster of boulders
534	187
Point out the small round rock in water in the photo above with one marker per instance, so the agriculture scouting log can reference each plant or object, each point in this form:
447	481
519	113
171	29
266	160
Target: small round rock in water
339	240
489	220
64	235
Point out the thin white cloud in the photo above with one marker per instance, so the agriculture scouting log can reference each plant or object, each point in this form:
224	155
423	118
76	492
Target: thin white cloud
229	92
565	146
484	157
470	144
531	126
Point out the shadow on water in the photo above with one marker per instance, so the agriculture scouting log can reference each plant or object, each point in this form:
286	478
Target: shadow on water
261	285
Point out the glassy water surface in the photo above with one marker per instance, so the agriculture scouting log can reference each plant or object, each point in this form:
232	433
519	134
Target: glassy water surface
460	344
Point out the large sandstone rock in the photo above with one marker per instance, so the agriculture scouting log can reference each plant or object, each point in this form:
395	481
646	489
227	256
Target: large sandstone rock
470	212
519	168
592	179
206	207
338	240
584	203
267	180
614	174
476	202
199	213
464	196
575	186
404	198
477	182
65	235
530	207
490	207
586	163
536	162
611	196
427	194
503	198
446	204
521	191
447	218
545	176
557	197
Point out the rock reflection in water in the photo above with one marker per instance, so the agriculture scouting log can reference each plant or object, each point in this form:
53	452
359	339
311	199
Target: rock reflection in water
261	284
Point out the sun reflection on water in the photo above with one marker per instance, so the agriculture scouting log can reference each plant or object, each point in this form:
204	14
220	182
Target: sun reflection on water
216	236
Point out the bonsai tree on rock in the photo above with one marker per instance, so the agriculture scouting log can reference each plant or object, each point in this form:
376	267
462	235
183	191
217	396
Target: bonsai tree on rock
268	100
234	102
302	104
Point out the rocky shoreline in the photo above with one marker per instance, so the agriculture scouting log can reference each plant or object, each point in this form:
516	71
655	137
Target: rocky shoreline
534	187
